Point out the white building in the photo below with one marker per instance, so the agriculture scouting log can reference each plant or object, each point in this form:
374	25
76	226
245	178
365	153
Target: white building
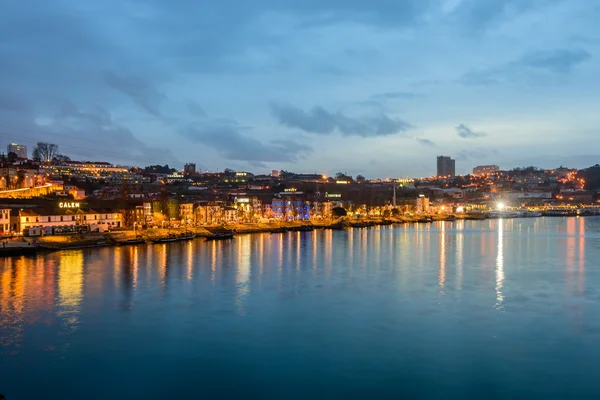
96	220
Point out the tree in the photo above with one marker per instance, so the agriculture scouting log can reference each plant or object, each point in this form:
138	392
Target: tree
45	152
386	213
395	212
360	179
11	157
61	158
338	212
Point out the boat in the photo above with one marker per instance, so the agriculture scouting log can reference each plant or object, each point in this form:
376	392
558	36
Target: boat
386	222
502	214
279	230
559	213
530	214
220	236
131	242
305	228
167	239
336	226
475	216
449	218
185	237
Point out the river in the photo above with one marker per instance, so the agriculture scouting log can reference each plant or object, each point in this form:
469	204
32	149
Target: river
465	309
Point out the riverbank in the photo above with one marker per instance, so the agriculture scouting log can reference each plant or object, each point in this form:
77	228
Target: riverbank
24	246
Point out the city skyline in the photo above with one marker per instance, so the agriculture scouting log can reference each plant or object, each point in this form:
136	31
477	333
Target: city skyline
305	86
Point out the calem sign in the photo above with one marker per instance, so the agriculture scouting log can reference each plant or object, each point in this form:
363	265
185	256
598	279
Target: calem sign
68	204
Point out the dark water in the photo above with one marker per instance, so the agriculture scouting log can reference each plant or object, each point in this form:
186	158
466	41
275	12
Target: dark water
494	309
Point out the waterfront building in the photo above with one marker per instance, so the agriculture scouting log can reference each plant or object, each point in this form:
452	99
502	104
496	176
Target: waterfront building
19	149
485	169
446	167
67	220
422	205
5	220
186	212
208	214
290	209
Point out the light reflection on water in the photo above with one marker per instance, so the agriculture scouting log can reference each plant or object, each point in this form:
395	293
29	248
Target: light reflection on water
426	309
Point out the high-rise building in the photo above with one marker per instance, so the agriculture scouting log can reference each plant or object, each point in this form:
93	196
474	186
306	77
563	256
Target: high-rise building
189	169
485	169
446	166
19	149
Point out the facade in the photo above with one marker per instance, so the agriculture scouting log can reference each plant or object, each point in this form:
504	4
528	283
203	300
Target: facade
290	209
19	149
208	214
446	166
422	204
69	221
189	169
186	212
94	171
5	220
485	169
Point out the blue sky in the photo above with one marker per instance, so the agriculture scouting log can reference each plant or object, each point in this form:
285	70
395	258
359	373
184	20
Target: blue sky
375	87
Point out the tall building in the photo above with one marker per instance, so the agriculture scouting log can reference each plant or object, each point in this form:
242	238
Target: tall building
19	149
446	166
485	169
189	169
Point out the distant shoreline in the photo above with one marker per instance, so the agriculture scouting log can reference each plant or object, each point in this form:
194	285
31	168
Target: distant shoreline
46	244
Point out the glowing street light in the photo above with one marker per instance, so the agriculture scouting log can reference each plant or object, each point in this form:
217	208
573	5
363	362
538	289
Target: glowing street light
500	206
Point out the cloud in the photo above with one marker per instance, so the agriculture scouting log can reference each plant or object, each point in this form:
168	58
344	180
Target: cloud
475	153
560	61
85	134
395	96
557	61
228	139
195	109
318	120
426	142
467	133
138	89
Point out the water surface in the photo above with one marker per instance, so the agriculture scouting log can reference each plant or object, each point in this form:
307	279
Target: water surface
466	309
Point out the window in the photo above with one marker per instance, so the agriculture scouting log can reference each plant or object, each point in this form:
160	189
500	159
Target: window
85	217
61	218
49	219
95	217
73	218
27	219
37	219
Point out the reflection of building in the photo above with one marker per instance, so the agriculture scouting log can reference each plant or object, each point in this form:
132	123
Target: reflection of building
19	149
485	169
446	166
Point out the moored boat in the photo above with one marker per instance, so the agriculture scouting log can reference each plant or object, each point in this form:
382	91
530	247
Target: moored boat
220	236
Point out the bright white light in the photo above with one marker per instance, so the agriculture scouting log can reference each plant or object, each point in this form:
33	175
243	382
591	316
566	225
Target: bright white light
460	209
500	206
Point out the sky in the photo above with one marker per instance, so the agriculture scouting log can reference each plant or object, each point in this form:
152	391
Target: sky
377	88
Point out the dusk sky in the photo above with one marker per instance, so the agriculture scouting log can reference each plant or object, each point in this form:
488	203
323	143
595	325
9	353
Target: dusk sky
377	87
